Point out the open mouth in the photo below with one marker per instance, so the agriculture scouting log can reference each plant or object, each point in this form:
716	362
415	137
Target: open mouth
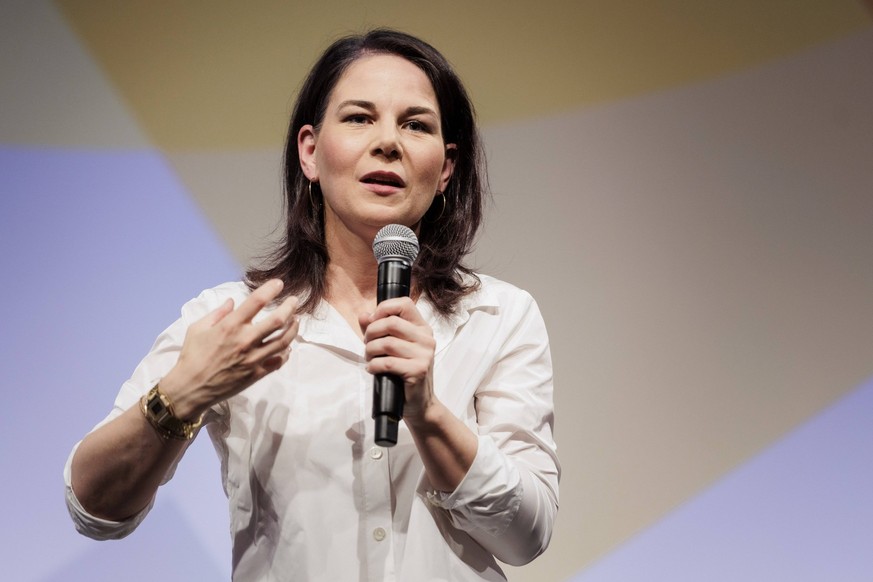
383	179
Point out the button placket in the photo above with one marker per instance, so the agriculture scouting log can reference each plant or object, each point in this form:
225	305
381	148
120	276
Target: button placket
376	501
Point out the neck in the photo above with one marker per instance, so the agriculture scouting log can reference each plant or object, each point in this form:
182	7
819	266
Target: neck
351	272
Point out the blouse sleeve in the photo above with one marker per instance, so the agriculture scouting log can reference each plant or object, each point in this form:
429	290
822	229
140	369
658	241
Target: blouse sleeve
508	499
160	359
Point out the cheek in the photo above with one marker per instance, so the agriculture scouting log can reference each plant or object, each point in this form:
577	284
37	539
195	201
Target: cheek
433	167
335	156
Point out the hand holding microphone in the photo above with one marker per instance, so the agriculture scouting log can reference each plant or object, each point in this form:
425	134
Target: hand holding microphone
395	248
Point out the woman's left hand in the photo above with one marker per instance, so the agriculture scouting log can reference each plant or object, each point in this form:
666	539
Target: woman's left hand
399	341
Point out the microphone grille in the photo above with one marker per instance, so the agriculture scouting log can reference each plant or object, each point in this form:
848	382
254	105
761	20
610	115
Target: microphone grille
395	240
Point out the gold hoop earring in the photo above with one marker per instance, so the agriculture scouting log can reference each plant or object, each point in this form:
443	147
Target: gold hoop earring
311	200
443	209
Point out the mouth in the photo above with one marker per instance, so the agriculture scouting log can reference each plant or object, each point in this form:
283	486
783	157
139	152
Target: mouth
384	179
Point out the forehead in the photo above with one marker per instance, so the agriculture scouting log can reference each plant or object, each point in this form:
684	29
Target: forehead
383	76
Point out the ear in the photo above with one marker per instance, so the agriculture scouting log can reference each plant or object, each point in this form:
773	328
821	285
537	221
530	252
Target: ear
448	165
306	140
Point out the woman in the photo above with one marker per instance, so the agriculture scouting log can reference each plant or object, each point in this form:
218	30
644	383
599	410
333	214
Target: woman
382	133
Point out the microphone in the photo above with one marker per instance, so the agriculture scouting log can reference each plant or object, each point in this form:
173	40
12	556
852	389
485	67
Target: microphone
395	248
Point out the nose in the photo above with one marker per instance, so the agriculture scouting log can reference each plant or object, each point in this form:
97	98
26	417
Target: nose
387	141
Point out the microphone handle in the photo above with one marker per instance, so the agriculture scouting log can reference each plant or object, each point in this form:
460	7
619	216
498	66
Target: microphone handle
388	389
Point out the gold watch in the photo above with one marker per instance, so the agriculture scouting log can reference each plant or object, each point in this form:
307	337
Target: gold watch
158	410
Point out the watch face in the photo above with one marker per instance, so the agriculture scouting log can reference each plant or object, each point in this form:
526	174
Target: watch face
156	407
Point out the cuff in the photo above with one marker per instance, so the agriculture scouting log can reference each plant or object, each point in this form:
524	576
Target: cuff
90	525
488	496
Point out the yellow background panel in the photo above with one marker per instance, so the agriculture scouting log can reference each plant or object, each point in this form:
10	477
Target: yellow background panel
217	74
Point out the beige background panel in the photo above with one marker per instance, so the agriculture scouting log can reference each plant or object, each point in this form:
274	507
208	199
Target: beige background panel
215	74
239	192
703	260
51	92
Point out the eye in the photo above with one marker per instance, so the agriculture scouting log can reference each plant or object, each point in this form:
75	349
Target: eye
418	126
356	118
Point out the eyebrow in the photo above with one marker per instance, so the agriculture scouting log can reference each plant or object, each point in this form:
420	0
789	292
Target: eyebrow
370	106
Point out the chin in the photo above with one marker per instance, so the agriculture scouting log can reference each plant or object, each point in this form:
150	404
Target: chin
380	219
376	217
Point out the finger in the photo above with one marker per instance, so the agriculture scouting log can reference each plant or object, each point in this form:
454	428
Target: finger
219	312
410	370
279	319
272	364
275	361
393	366
395	326
364	320
392	347
402	307
282	341
259	298
278	345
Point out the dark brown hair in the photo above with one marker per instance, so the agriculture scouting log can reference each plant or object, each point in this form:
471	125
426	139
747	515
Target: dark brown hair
445	237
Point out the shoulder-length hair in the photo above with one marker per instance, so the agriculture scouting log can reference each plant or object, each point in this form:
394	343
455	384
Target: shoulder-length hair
449	227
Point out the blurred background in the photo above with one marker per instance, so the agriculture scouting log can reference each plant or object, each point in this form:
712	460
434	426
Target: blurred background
686	187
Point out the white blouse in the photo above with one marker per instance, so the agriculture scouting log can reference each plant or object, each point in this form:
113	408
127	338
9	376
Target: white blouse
312	497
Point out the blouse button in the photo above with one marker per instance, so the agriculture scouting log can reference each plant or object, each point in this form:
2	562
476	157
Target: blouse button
376	453
378	534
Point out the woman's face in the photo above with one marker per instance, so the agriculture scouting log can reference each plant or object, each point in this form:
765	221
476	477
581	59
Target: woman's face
379	155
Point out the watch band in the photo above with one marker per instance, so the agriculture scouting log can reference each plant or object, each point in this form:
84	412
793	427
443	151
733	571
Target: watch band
158	410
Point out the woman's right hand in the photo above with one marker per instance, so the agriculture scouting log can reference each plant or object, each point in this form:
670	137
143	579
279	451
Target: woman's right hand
225	352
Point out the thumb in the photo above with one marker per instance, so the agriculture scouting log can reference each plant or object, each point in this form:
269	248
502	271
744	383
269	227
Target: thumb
364	320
